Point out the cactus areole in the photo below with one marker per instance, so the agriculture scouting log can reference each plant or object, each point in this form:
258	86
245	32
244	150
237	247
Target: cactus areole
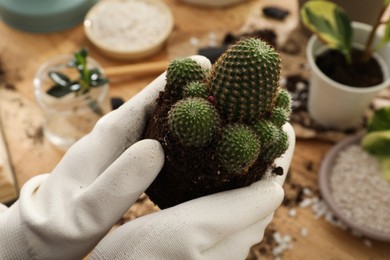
220	129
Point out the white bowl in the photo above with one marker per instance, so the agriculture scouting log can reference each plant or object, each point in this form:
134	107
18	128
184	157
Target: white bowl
129	29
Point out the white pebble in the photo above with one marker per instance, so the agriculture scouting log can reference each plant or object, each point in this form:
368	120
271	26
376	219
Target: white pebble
307	191
304	232
292	212
194	41
305	203
212	37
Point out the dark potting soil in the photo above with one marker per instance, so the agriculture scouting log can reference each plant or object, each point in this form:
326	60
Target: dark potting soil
190	173
333	64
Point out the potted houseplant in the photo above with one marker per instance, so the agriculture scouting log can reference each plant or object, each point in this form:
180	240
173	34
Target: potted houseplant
72	92
349	61
357	10
220	129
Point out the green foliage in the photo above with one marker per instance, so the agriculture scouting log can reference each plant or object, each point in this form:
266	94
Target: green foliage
88	78
377	143
330	23
196	89
193	121
377	139
180	73
238	148
380	120
245	81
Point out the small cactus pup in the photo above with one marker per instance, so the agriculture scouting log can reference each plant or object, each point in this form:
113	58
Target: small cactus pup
220	129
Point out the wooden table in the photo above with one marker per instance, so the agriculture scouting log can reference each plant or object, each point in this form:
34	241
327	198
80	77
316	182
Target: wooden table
22	53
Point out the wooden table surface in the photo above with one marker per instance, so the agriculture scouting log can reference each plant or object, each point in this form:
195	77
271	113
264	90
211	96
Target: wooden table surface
22	53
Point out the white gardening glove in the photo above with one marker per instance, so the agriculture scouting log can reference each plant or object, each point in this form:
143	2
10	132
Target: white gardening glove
219	226
63	215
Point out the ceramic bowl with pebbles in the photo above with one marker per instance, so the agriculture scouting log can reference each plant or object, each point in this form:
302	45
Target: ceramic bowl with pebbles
355	190
129	29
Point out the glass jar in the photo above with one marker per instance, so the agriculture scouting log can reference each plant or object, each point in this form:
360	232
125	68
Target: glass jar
72	116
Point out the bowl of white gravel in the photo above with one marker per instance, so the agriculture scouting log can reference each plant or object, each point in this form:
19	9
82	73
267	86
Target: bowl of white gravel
129	29
354	188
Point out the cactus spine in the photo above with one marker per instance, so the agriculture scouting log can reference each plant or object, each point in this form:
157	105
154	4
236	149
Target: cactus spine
245	81
196	89
238	149
180	73
193	121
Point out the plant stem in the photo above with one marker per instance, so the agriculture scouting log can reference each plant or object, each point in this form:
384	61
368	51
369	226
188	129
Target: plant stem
368	47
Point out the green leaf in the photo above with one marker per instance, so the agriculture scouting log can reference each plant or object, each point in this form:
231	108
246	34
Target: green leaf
59	91
59	78
385	38
330	23
386	2
380	120
385	167
377	143
99	82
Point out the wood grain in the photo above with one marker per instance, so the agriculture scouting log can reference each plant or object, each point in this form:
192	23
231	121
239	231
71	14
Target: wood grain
22	53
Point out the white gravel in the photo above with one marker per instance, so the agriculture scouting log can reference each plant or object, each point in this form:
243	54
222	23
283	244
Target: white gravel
360	189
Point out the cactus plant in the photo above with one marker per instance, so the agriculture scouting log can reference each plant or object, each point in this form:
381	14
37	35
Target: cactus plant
193	121
220	129
276	147
279	116
284	100
238	149
196	89
181	72
245	81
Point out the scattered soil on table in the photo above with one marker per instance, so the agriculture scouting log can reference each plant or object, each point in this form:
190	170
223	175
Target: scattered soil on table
333	64
4	81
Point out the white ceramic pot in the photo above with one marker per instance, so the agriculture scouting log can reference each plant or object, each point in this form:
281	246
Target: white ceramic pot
213	3
339	106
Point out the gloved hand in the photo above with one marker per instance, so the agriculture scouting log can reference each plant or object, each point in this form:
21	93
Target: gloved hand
63	215
219	226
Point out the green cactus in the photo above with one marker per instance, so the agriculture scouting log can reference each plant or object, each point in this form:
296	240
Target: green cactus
284	100
279	116
238	149
180	73
245	81
277	147
193	121
196	89
266	131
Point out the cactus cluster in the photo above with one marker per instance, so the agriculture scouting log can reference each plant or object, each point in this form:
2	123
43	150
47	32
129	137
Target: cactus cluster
180	73
238	105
